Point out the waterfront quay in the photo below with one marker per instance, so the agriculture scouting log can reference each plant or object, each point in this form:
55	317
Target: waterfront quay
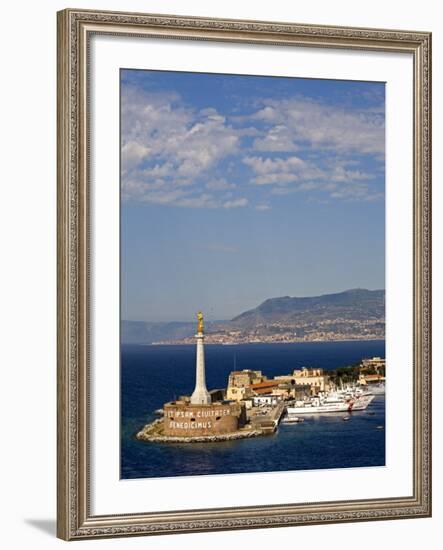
267	419
252	405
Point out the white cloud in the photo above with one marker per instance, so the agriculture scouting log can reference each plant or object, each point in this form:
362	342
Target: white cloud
185	198
219	184
133	153
278	178
204	200
340	174
358	192
306	123
268	113
161	137
262	165
236	203
282	171
163	197
278	138
176	154
330	176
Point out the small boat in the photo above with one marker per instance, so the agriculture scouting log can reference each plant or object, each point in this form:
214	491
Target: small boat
346	418
380	427
292	420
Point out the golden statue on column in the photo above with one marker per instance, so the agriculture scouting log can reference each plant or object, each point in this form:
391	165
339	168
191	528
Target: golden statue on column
200	325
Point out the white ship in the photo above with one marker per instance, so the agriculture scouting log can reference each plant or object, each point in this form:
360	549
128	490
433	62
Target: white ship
361	403
318	405
360	397
368	389
332	402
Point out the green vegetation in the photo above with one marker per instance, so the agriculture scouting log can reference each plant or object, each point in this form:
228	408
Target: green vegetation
345	375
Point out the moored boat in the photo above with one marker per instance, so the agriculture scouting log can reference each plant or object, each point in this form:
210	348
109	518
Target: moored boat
361	403
292	419
332	402
318	405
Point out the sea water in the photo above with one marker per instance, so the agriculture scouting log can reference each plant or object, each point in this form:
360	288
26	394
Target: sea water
153	375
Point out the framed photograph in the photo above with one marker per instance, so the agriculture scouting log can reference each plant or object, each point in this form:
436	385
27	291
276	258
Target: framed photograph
243	274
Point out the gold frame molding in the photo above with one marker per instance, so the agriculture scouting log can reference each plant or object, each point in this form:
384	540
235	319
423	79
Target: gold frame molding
75	28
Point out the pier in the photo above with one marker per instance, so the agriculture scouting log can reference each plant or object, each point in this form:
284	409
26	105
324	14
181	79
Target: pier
268	423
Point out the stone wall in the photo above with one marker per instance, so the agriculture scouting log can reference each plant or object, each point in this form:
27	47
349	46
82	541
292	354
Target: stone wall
186	420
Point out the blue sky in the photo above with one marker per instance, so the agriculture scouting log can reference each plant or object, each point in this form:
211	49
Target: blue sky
236	189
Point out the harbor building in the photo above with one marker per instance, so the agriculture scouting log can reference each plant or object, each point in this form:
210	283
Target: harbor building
368	379
238	394
244	378
240	382
375	365
267	386
315	378
200	414
267	399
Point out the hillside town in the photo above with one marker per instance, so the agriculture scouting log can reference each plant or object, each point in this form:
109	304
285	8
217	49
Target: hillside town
279	332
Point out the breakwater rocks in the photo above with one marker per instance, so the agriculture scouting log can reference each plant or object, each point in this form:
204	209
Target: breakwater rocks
153	432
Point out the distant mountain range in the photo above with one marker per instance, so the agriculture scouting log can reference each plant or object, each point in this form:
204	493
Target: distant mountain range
352	314
351	304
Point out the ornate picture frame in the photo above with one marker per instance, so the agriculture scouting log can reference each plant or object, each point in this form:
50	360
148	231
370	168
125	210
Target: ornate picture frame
75	29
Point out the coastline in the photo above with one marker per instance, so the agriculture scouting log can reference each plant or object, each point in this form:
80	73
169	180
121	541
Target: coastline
153	433
176	343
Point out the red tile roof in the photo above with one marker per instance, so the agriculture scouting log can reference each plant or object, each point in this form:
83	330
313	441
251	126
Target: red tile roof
265	384
373	376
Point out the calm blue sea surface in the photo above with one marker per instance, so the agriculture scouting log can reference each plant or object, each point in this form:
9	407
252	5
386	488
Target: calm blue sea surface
153	375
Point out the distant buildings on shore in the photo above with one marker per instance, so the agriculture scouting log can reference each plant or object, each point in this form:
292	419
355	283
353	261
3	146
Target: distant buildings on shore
289	337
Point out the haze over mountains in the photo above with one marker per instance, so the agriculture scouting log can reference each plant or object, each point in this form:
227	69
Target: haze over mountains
352	314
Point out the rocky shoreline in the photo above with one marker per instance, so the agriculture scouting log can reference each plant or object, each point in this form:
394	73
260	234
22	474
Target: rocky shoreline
153	432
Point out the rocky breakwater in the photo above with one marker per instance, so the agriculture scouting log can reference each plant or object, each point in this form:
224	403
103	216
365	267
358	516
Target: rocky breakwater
154	433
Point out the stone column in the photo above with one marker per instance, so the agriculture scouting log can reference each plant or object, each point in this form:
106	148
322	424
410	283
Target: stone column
201	395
